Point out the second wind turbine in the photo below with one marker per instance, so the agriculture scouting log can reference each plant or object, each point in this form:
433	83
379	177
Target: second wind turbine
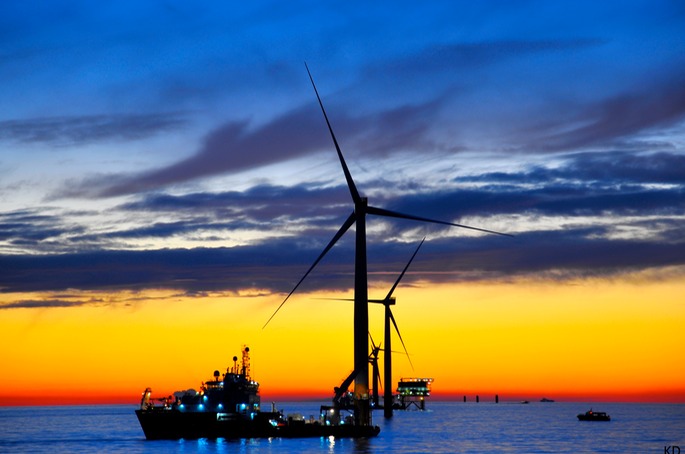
362	407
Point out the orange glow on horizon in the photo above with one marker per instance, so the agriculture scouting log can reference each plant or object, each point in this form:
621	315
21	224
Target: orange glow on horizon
589	340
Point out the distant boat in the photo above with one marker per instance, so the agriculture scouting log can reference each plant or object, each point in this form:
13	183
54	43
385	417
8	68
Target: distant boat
544	399
594	416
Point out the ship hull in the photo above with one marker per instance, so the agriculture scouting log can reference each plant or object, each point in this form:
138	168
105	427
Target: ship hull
592	416
173	425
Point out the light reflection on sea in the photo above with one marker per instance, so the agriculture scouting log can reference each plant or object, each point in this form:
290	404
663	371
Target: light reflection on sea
444	427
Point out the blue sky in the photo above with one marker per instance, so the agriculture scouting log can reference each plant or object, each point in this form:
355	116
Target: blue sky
139	137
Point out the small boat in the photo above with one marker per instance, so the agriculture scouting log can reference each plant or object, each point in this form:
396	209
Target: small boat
594	416
229	407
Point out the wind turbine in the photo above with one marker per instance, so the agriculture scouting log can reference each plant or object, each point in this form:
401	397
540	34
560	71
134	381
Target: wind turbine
387	366
362	409
373	359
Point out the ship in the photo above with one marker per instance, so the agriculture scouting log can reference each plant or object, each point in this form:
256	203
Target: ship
594	416
229	406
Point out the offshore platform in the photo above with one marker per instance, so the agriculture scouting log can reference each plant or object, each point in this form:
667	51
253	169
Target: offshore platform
412	392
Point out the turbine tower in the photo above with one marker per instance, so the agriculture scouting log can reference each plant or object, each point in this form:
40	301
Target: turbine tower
388	318
362	408
375	373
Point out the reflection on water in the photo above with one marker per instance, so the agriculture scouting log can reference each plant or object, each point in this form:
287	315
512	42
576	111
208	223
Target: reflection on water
444	427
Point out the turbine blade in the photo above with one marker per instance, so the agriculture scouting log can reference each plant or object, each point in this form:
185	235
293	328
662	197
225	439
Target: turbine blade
394	214
404	270
350	299
348	223
335	299
373	344
392	318
348	176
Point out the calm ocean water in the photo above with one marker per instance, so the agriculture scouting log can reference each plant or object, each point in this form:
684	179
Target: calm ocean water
444	427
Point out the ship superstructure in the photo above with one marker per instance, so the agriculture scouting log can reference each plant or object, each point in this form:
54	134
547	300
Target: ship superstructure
228	406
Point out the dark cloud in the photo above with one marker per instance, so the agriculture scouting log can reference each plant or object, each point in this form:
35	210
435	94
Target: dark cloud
276	265
553	199
193	270
564	254
621	167
588	185
81	130
154	230
604	168
29	228
261	203
36	304
236	147
583	184
651	107
163	216
466	55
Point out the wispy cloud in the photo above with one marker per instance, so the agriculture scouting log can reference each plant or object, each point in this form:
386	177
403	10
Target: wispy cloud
235	146
607	168
27	229
603	122
36	304
81	130
464	56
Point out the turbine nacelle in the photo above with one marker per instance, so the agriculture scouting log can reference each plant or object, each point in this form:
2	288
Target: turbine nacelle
387	301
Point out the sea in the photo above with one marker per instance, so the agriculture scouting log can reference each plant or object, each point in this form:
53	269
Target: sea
444	427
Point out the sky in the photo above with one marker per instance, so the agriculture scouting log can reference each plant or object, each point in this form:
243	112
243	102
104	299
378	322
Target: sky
167	176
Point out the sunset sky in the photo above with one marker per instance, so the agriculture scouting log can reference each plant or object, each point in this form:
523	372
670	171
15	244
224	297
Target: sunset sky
166	178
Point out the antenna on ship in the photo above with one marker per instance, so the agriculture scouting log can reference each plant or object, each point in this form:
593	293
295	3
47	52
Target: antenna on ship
246	362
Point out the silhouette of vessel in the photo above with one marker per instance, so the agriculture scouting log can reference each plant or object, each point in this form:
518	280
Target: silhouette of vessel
229	407
594	416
